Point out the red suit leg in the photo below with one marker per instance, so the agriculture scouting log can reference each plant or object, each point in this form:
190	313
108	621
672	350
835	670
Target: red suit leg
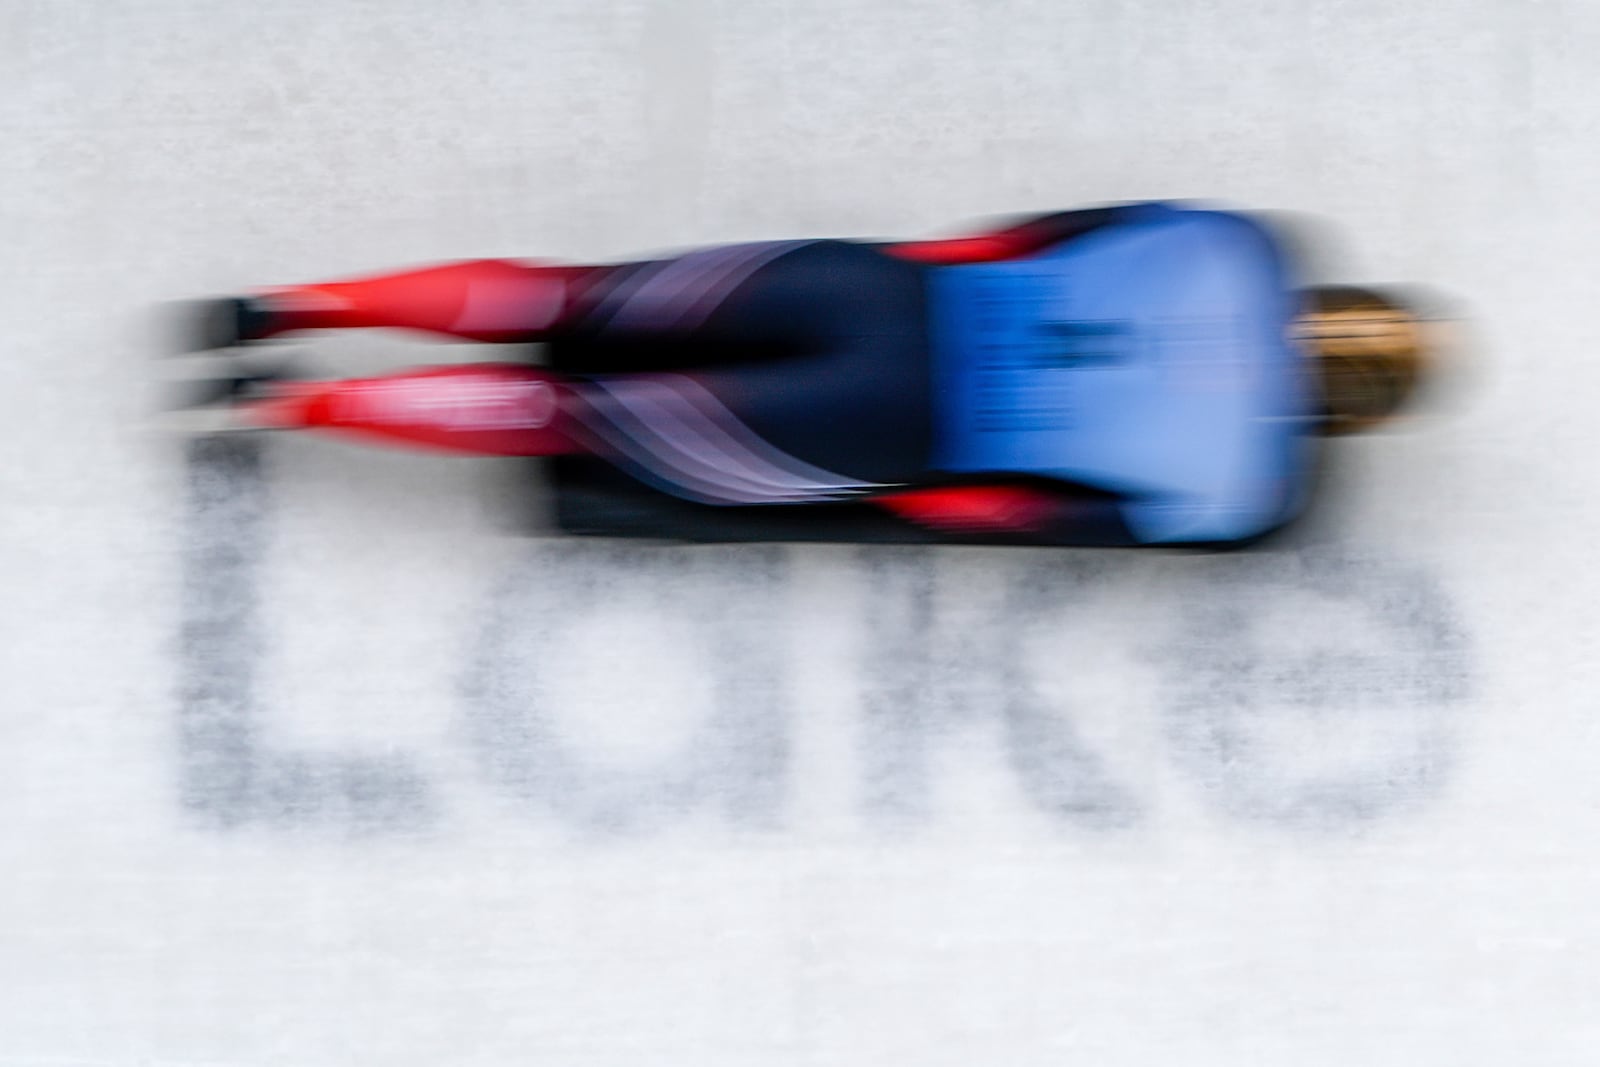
496	409
479	300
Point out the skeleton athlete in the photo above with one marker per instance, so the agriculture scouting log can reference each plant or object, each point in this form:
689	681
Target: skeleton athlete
1135	374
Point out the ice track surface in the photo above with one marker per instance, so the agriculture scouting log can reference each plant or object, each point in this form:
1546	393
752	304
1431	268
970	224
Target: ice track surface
306	759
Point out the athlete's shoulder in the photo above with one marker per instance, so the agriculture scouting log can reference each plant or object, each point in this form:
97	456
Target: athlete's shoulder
1243	230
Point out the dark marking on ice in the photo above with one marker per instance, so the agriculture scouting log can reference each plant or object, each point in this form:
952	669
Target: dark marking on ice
1060	774
1313	689
1338	733
932	677
733	764
232	774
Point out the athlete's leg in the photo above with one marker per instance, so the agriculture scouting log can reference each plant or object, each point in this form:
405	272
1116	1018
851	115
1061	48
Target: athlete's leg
479	300
676	436
501	300
497	409
629	304
497	300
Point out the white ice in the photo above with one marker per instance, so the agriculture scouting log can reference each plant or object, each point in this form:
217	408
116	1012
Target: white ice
314	761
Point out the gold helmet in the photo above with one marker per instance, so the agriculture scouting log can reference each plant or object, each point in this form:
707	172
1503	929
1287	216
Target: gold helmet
1370	349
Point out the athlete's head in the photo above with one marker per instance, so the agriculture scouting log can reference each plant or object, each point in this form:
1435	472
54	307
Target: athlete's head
1371	351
